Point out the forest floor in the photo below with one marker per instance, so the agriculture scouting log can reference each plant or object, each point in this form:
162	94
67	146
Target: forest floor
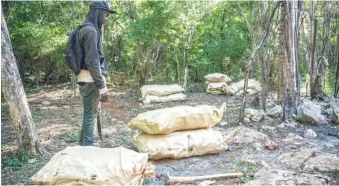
58	118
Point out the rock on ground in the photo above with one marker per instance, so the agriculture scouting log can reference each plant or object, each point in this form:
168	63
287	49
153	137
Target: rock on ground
284	177
311	179
296	159
46	103
324	163
335	110
275	112
310	134
309	112
253	114
311	162
249	136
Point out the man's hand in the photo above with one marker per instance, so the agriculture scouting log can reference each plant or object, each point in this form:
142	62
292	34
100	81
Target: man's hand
103	97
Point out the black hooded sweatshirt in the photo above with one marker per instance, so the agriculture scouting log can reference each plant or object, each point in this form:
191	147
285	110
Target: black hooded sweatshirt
91	39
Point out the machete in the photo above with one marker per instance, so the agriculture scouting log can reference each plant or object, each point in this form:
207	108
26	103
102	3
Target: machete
98	122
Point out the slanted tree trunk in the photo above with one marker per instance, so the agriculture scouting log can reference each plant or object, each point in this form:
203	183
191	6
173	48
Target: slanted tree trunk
13	91
249	64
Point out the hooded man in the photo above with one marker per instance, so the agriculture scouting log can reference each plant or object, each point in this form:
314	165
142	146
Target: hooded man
91	78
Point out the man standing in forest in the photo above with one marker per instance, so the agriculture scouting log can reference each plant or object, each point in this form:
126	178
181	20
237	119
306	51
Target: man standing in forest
91	78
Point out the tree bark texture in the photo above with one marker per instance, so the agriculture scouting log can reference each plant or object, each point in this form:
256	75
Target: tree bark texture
186	67
289	58
313	64
13	91
336	84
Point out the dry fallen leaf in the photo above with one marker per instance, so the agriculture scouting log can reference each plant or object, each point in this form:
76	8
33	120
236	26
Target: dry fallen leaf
271	144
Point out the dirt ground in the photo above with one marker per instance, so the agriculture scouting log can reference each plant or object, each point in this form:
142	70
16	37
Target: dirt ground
58	123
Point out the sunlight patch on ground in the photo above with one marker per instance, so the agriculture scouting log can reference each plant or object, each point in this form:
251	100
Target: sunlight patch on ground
55	130
50	95
116	93
11	148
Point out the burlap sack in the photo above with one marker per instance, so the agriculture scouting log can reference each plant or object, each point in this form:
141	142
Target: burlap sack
214	92
216	87
93	166
160	90
217	77
180	144
234	88
162	99
168	120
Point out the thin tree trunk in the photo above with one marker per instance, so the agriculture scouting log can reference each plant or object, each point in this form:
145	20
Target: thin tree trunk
264	76
282	57
178	70
248	69
186	67
222	38
313	65
336	85
305	44
74	78
14	94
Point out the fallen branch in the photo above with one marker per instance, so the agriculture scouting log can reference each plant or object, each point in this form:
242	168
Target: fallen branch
190	179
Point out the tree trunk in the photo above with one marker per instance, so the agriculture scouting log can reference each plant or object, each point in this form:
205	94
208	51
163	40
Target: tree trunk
74	77
290	64
282	57
264	77
222	38
336	85
186	67
313	64
177	72
14	94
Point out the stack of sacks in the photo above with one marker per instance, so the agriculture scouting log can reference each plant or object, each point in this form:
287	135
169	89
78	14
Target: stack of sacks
238	88
161	93
178	132
216	83
95	166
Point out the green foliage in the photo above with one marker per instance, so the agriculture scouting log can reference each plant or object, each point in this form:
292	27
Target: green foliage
215	32
248	169
16	169
14	162
124	105
35	114
196	87
39	32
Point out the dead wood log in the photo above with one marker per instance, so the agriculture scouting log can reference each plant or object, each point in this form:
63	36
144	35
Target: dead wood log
190	179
